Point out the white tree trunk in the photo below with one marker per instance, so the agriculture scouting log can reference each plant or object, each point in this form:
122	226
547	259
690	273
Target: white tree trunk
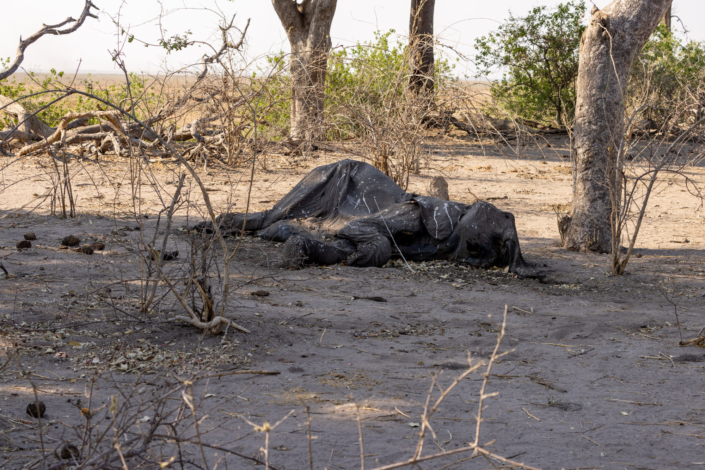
609	45
307	26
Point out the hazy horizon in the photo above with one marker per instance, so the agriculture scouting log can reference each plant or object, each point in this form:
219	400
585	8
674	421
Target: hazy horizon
457	24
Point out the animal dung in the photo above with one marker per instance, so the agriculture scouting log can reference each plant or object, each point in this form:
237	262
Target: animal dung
36	409
86	250
98	246
373	299
30	236
68	451
70	241
165	256
24	244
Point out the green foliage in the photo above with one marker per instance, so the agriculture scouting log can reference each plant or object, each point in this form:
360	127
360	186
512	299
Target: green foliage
120	94
368	73
177	42
10	87
538	55
116	93
350	70
375	70
277	94
667	71
14	89
365	75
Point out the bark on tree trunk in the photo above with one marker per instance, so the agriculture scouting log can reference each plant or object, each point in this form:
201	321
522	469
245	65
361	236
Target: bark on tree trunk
421	63
308	75
667	18
608	48
307	26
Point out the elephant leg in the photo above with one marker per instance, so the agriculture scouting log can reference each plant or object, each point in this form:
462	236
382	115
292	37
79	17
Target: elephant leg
374	253
301	250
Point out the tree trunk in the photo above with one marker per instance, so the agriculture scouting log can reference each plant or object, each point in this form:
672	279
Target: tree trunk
609	45
307	26
308	75
667	18
421	62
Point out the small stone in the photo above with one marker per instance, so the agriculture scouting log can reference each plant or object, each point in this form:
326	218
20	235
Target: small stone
24	244
36	409
86	250
68	451
98	246
30	236
70	241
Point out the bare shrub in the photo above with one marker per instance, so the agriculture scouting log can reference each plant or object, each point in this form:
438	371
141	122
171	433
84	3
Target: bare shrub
369	104
652	160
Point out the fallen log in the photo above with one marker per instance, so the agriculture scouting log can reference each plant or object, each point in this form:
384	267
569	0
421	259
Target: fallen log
61	129
19	135
28	123
479	124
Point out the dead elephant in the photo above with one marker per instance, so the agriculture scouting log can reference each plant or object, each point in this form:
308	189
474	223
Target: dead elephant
353	213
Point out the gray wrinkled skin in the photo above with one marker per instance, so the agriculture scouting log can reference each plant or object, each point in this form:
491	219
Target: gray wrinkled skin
356	214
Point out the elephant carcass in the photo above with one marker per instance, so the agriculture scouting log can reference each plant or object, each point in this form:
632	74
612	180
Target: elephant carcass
351	212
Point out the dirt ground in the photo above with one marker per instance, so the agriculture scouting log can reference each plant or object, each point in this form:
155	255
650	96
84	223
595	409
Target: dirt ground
594	376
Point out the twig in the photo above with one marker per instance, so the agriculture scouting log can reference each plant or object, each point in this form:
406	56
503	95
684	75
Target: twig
359	433
530	415
309	438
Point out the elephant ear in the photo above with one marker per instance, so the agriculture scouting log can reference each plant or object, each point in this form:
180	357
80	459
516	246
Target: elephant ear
440	217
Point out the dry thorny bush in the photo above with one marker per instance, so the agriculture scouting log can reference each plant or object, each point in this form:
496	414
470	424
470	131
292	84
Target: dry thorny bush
160	420
650	157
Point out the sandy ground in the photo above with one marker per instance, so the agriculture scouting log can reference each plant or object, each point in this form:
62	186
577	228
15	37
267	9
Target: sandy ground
593	378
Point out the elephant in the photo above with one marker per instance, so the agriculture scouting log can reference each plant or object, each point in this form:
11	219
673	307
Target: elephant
350	212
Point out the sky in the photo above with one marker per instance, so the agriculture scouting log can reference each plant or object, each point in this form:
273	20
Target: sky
457	23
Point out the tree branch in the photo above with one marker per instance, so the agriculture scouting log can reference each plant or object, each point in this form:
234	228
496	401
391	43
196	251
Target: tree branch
48	29
288	13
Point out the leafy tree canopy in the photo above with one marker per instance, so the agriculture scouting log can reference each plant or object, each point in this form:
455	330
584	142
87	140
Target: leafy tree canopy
667	70
538	55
